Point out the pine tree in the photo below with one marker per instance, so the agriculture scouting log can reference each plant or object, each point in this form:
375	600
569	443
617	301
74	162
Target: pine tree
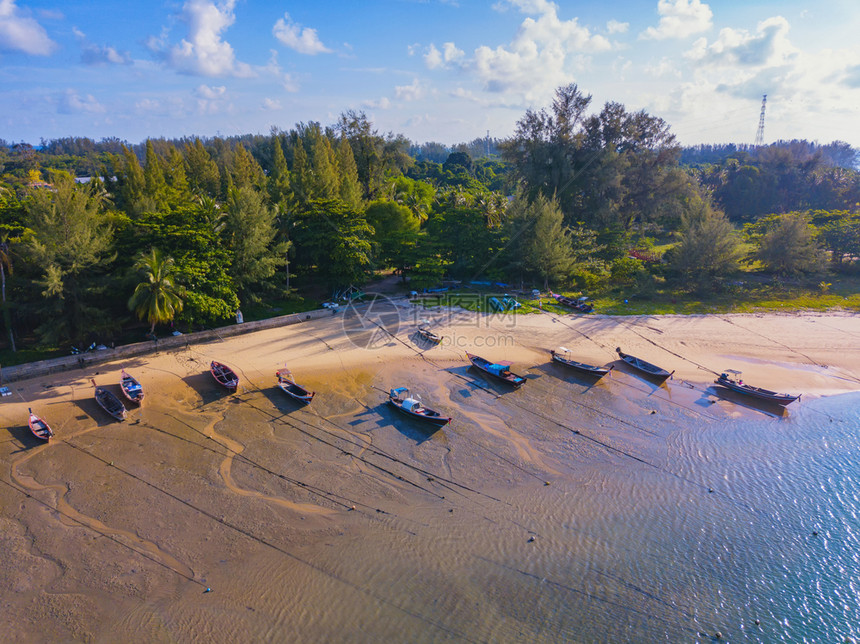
300	179
279	178
201	170
350	188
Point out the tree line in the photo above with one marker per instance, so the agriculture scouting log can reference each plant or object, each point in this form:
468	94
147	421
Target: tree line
94	236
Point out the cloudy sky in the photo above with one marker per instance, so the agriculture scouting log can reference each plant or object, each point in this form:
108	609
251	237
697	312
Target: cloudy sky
432	70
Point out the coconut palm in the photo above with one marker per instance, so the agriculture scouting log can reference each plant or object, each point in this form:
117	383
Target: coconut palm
157	299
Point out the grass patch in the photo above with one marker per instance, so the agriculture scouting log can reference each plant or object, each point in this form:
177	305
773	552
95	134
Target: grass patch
756	294
9	358
276	308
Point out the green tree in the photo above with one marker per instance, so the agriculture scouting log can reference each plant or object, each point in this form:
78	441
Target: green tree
71	241
377	157
333	241
543	243
251	226
202	172
708	246
300	175
395	232
324	182
155	185
787	245
349	190
177	182
6	266
244	170
839	231
203	263
157	299
131	182
279	178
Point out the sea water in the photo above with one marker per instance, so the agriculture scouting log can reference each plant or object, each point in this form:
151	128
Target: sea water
564	511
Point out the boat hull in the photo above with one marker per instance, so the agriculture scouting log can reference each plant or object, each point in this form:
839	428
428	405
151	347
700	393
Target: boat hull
576	305
131	388
429	336
39	427
757	392
111	404
581	367
482	365
296	392
434	418
224	376
644	367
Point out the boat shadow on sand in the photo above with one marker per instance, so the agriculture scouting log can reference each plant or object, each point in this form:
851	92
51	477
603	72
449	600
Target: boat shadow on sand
763	406
569	375
206	387
656	382
423	343
23	435
477	379
282	402
92	409
413	429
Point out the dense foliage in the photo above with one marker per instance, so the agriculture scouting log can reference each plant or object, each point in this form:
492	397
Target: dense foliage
97	237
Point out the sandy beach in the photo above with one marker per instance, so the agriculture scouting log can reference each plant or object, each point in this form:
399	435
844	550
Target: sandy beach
341	521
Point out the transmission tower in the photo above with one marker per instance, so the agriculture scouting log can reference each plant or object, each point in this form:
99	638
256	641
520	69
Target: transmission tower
759	135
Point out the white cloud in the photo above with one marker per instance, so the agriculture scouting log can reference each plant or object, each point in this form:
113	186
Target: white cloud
147	105
538	59
615	27
20	32
680	19
412	92
271	104
381	104
290	83
450	53
302	40
768	46
92	54
203	52
70	102
435	59
664	68
211	93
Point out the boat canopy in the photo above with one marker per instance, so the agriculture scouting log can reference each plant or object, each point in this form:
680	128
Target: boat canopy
498	369
396	393
410	404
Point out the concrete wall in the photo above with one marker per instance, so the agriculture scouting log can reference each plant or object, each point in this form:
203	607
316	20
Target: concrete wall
66	363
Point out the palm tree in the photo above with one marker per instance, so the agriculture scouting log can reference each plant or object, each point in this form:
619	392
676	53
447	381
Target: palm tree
157	298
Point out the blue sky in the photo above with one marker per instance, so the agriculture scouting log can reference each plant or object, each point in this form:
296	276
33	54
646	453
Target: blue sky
432	70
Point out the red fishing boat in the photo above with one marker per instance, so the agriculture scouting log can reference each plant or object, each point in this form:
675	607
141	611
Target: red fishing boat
39	427
224	375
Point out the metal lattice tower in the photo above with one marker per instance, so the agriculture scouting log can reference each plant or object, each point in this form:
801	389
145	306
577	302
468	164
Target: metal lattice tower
759	135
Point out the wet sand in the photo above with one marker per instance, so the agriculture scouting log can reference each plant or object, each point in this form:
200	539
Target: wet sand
342	521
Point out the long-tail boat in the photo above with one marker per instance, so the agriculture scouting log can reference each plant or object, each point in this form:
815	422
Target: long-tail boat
109	401
645	367
498	371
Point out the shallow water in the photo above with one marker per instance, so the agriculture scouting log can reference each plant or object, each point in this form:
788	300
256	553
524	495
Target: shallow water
568	510
674	525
